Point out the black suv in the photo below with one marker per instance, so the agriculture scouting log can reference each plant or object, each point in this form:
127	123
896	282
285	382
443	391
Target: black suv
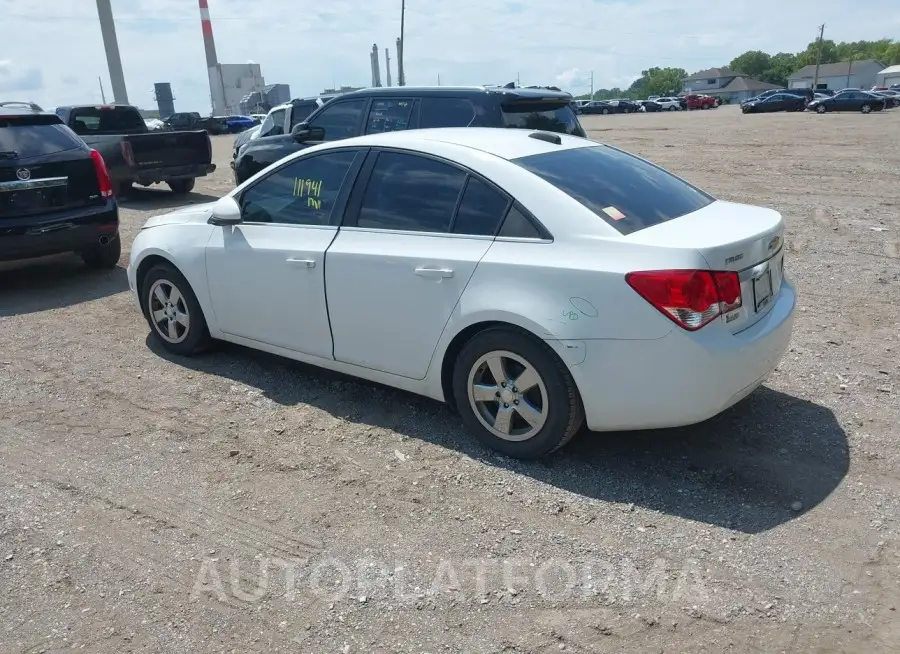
55	192
408	107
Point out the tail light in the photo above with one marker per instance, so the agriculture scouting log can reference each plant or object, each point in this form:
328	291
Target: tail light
690	298
103	180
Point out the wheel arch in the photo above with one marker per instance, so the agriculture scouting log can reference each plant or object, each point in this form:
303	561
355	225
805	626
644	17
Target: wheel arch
155	257
466	334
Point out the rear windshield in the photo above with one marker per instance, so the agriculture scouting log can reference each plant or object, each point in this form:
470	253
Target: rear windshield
110	120
626	192
549	117
23	137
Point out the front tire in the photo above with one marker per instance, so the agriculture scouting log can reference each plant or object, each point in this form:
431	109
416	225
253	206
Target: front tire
104	257
172	311
515	395
866	109
605	112
673	108
821	109
181	186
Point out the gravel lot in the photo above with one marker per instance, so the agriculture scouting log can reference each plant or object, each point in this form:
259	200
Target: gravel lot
239	502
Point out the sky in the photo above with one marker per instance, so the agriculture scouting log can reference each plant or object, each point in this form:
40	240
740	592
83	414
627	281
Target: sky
52	53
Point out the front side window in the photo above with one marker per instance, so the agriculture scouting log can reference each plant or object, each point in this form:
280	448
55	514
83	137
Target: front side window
302	193
412	193
389	115
340	120
627	192
301	111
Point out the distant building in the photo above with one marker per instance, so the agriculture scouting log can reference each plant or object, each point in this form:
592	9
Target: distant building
842	75
888	76
260	102
709	81
732	87
164	100
237	81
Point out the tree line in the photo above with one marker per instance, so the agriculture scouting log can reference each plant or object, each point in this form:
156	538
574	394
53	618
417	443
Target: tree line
760	65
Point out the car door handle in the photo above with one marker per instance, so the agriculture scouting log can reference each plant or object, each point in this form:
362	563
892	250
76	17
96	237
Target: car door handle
306	263
434	273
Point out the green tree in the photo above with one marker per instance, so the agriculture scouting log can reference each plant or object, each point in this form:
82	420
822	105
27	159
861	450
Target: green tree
754	63
657	81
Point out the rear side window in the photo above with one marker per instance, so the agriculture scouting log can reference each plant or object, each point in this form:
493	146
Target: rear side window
517	225
389	115
549	117
446	112
481	209
23	137
409	192
110	120
340	120
626	192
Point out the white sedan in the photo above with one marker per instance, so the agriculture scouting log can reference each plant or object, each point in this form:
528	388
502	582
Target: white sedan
534	281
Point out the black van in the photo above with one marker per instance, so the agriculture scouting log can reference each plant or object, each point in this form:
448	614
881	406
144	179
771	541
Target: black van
394	108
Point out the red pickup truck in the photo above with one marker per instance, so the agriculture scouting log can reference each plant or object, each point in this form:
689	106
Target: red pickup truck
696	101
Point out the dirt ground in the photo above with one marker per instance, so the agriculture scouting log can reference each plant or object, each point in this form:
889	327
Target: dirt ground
237	502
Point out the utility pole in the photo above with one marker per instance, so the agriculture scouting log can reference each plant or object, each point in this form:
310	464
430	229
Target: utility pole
518	83
401	72
102	94
439	79
849	68
818	58
592	86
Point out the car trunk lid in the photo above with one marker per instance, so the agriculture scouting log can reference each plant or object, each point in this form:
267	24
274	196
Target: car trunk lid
734	237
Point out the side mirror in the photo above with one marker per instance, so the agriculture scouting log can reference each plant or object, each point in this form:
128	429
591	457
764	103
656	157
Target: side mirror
225	211
303	132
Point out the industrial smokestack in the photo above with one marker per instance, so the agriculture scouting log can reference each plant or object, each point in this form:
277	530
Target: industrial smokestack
216	83
208	43
387	64
376	66
111	44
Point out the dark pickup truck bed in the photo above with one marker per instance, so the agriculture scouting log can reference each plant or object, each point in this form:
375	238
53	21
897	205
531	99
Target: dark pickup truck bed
133	154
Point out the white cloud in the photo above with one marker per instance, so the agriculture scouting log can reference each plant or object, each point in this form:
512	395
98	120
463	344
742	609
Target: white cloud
464	41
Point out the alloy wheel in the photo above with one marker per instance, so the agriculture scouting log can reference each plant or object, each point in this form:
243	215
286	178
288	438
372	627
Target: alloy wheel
169	313
508	395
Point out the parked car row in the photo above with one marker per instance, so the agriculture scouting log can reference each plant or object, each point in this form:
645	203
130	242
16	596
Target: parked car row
821	101
654	103
215	125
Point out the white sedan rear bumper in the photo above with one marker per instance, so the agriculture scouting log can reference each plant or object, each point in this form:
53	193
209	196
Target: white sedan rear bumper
683	378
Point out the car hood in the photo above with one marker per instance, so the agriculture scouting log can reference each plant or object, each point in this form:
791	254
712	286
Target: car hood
194	213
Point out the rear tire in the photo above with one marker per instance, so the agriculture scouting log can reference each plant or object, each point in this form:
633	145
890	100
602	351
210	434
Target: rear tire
605	112
866	109
541	417
181	186
173	312
673	108
821	109
104	257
